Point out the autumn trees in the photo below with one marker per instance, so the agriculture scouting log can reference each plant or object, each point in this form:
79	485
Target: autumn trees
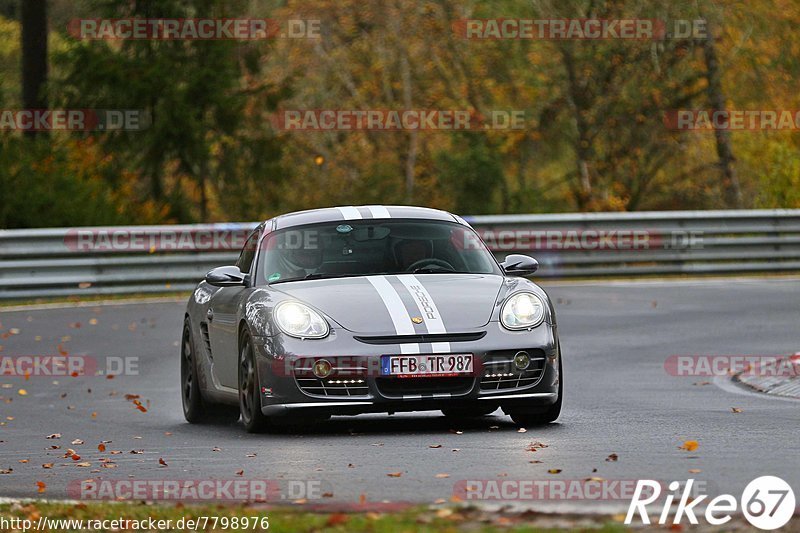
593	137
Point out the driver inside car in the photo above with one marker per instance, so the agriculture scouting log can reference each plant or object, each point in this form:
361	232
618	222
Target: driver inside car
411	251
296	263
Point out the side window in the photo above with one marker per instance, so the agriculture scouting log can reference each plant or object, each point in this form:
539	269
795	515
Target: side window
245	261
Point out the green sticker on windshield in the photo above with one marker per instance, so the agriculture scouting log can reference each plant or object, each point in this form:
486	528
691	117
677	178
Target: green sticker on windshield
344	228
274	277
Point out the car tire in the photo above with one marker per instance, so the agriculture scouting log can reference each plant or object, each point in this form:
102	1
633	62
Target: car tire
545	415
461	413
196	410
250	389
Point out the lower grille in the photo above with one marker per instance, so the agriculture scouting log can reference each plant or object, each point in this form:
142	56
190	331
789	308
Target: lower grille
333	386
500	373
399	387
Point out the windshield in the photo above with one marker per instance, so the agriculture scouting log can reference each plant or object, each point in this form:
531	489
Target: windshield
364	247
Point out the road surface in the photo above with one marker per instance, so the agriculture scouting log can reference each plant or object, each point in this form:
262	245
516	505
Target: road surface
620	400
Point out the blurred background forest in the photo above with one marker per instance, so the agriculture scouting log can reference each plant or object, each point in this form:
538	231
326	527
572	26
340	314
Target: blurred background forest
594	136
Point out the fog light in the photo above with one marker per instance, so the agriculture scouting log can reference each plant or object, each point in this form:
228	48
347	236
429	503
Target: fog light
522	360
322	368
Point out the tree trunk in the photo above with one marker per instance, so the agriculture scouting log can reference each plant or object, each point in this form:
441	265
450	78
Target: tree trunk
583	147
726	163
33	14
413	140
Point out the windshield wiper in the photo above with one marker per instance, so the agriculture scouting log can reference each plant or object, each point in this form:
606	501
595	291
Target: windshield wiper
316	275
434	269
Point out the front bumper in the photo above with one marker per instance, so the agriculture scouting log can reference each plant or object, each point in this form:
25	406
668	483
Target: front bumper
288	387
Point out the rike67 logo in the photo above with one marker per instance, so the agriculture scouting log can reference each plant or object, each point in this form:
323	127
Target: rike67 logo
767	502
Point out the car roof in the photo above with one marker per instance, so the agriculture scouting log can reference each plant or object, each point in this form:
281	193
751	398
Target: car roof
343	213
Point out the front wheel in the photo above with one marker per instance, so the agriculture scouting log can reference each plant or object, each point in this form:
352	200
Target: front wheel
543	415
196	410
250	389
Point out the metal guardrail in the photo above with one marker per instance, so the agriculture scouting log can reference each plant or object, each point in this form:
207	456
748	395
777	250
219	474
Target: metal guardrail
141	259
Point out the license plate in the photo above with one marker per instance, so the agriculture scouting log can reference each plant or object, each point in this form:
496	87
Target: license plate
415	366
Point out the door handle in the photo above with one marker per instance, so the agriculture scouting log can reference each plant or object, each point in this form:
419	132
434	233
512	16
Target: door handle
210	314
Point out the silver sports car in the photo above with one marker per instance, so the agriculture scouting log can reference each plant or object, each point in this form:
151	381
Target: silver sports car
349	310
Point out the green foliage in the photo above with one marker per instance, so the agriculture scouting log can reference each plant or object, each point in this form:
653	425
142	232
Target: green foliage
473	171
58	183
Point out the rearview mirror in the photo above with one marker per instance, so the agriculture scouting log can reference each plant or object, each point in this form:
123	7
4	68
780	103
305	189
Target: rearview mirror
225	276
520	265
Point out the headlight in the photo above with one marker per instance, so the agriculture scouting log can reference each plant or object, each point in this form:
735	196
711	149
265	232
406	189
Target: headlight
522	311
299	320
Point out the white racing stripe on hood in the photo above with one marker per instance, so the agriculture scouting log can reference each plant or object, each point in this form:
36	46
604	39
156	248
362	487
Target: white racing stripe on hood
378	211
427	309
349	213
397	310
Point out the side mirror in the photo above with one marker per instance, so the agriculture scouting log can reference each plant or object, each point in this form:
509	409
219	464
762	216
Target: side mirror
225	276
520	265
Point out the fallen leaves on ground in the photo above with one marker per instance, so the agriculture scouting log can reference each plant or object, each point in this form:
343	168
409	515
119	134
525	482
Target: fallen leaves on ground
162	462
41	487
612	458
434	445
735	410
442	476
533	446
394	474
337	519
690	445
554	471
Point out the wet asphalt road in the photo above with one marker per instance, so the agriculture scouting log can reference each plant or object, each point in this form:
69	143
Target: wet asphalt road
619	400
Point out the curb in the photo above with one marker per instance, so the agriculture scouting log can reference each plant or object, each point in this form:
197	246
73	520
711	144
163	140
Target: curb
786	385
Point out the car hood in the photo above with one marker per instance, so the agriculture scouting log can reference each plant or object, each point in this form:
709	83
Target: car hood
402	304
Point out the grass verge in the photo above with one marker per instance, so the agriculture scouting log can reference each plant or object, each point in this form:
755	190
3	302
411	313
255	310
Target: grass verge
146	517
